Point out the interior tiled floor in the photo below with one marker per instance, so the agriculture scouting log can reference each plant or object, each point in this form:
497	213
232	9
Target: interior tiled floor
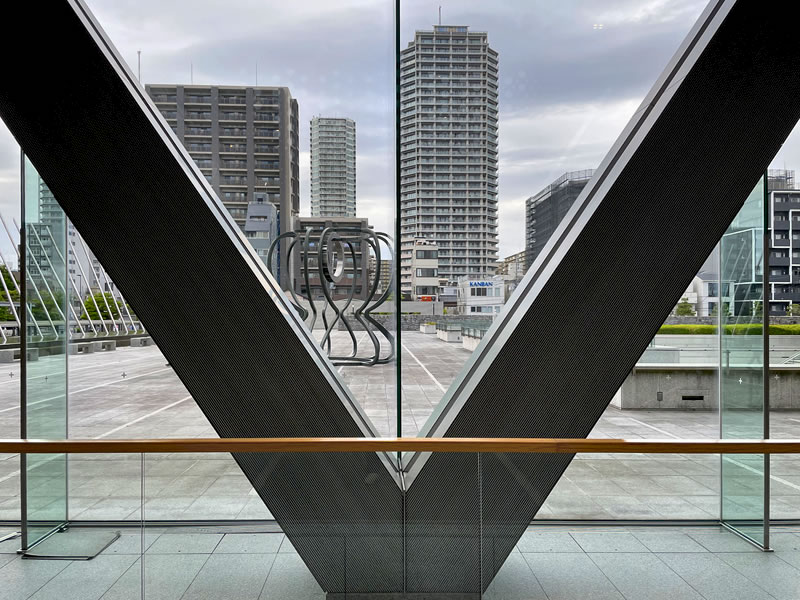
131	392
548	563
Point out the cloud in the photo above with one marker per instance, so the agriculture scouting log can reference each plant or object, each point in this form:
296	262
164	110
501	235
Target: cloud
566	87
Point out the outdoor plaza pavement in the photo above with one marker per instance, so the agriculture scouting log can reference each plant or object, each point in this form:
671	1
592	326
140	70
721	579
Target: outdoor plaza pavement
132	393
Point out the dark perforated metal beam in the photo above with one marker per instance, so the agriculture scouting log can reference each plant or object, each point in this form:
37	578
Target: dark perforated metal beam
626	251
168	243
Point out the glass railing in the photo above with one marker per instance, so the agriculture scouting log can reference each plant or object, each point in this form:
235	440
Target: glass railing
332	516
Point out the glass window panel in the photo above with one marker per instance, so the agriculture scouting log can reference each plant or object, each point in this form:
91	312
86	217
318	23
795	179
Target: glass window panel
742	406
44	485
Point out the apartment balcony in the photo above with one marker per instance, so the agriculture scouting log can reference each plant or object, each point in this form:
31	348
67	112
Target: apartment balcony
231	100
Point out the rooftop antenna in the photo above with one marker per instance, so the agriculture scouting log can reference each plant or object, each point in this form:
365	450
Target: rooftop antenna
256	73
139	65
440	15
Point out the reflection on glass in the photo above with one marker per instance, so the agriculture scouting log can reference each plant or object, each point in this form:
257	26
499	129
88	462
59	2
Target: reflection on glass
495	147
303	161
45	371
742	406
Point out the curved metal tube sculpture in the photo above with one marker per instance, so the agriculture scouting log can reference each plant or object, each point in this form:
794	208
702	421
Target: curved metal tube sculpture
323	254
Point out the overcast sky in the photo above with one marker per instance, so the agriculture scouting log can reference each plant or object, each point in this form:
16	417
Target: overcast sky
567	85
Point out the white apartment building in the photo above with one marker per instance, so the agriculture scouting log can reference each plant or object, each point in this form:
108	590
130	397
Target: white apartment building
448	154
481	295
425	271
333	167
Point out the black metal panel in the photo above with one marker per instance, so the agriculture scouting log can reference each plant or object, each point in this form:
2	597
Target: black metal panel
627	250
168	243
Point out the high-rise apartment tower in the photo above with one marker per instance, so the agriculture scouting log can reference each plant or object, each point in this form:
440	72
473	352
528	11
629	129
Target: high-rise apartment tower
448	153
244	139
333	167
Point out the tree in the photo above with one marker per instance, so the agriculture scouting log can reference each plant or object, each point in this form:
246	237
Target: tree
6	314
44	305
726	310
104	302
684	309
793	310
758	309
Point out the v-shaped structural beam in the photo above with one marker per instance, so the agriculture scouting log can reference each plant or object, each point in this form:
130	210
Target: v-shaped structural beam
633	240
153	221
625	252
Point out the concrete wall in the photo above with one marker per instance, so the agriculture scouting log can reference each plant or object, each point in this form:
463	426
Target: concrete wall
666	389
641	388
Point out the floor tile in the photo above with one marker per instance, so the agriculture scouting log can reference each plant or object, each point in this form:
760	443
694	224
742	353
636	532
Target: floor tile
192	543
547	541
668	541
724	541
515	581
231	577
712	577
569	576
167	577
85	579
249	543
768	571
643	577
591	541
290	579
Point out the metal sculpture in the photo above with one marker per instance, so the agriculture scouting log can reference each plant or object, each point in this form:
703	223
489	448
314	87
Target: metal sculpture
322	254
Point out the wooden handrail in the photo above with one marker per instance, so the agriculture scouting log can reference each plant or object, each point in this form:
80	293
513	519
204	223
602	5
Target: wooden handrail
544	445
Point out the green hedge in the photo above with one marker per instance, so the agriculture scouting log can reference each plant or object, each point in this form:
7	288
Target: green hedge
749	329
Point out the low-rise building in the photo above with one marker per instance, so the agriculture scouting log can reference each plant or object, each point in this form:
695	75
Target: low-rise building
703	294
481	295
425	270
448	294
384	272
261	228
513	266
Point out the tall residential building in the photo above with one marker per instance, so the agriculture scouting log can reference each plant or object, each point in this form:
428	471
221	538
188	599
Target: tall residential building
333	167
448	154
544	211
244	139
